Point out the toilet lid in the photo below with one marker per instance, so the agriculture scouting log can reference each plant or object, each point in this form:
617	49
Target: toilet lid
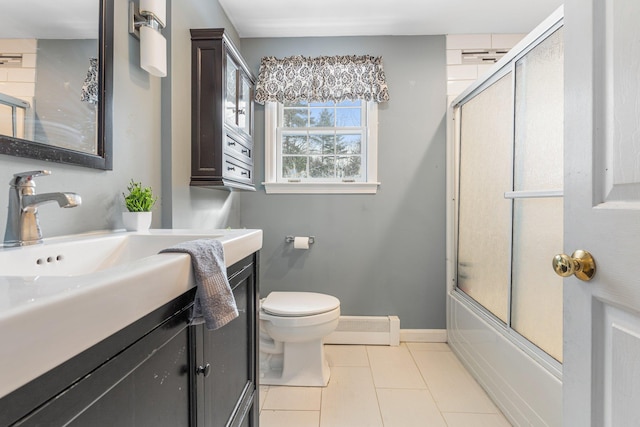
298	303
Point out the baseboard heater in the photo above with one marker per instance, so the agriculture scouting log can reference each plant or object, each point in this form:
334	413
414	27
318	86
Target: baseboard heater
369	330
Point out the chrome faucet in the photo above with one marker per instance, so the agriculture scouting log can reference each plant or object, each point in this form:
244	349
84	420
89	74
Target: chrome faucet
23	227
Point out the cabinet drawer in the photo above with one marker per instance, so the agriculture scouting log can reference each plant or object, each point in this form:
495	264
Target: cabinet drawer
235	170
239	150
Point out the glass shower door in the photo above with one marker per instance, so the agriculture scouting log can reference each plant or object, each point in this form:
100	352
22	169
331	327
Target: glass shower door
510	202
484	237
536	301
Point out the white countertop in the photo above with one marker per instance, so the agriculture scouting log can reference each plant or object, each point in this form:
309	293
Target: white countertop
47	319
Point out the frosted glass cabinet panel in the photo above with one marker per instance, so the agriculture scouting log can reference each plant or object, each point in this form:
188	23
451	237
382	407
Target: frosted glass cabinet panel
484	214
539	93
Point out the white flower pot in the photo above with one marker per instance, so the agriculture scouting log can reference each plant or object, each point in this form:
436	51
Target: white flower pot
136	221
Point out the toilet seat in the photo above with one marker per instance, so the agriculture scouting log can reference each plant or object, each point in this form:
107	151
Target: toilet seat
297	304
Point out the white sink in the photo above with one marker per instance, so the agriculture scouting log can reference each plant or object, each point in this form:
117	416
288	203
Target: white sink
78	255
69	293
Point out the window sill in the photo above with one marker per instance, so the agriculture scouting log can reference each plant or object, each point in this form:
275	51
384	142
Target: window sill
321	187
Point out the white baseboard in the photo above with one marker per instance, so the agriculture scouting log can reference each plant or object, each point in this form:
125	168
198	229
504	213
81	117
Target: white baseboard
366	330
380	330
423	335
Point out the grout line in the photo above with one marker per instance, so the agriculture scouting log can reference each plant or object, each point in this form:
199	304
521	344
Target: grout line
428	388
424	380
321	399
375	389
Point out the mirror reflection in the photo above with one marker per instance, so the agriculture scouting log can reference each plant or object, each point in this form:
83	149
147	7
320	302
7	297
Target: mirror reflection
49	79
47	94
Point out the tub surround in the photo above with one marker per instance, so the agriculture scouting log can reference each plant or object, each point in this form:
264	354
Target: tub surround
68	311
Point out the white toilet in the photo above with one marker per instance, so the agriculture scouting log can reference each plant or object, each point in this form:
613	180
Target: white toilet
292	328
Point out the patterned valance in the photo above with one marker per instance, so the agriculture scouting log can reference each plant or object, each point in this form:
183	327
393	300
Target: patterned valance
321	79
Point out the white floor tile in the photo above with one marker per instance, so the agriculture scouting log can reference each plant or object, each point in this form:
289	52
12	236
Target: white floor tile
350	399
393	367
408	408
475	420
452	387
419	384
346	355
428	346
263	394
293	398
289	418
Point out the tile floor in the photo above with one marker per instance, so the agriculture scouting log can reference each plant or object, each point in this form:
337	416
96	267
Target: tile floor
414	384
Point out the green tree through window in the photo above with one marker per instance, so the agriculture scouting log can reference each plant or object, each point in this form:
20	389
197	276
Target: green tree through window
322	141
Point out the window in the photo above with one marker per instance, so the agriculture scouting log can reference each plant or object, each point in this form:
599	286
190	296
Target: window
321	147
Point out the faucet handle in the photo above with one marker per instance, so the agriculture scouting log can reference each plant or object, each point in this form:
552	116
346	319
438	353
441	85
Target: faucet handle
21	178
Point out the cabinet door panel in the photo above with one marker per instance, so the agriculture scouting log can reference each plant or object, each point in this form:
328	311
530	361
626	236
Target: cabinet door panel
227	395
244	105
231	95
226	351
147	384
164	401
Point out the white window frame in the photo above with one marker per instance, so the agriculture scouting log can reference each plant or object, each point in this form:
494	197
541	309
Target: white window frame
272	186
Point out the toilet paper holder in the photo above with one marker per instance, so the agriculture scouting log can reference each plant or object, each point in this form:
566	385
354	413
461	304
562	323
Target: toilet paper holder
290	239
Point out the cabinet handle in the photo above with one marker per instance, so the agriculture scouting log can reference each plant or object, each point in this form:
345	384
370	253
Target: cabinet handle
230	168
245	173
231	143
245	151
204	370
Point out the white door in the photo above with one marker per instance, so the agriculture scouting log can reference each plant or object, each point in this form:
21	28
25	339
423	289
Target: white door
601	371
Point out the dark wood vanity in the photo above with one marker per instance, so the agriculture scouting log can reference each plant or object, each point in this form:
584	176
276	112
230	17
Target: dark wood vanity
158	371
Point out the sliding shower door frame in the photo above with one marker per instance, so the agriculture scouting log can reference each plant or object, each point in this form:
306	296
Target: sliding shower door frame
504	67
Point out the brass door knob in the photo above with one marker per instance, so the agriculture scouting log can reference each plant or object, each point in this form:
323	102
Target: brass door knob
580	263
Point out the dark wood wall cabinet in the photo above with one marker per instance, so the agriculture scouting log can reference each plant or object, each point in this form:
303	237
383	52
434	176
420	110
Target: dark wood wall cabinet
159	371
222	92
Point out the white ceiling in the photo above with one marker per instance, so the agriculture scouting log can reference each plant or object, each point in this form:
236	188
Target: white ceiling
307	18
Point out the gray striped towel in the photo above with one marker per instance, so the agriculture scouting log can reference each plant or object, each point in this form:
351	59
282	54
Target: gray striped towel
214	300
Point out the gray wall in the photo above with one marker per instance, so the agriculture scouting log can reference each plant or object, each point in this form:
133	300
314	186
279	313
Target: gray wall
140	141
190	207
381	254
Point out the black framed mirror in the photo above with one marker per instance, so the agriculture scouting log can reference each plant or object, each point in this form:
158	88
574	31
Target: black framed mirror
51	139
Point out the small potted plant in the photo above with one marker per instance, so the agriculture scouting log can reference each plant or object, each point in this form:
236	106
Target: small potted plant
139	202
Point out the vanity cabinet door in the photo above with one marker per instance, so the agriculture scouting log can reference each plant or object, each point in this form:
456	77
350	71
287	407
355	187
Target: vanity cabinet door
144	384
153	394
225	368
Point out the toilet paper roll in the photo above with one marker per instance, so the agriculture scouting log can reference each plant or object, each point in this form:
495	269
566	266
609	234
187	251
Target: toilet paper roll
300	242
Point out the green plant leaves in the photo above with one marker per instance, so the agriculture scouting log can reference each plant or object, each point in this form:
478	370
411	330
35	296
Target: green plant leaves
139	199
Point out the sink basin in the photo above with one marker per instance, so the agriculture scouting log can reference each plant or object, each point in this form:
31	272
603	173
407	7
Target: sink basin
88	254
69	293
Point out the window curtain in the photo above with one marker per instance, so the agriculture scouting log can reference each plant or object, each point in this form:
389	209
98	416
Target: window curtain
321	79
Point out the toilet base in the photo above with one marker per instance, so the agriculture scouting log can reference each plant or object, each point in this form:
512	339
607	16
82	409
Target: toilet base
301	364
